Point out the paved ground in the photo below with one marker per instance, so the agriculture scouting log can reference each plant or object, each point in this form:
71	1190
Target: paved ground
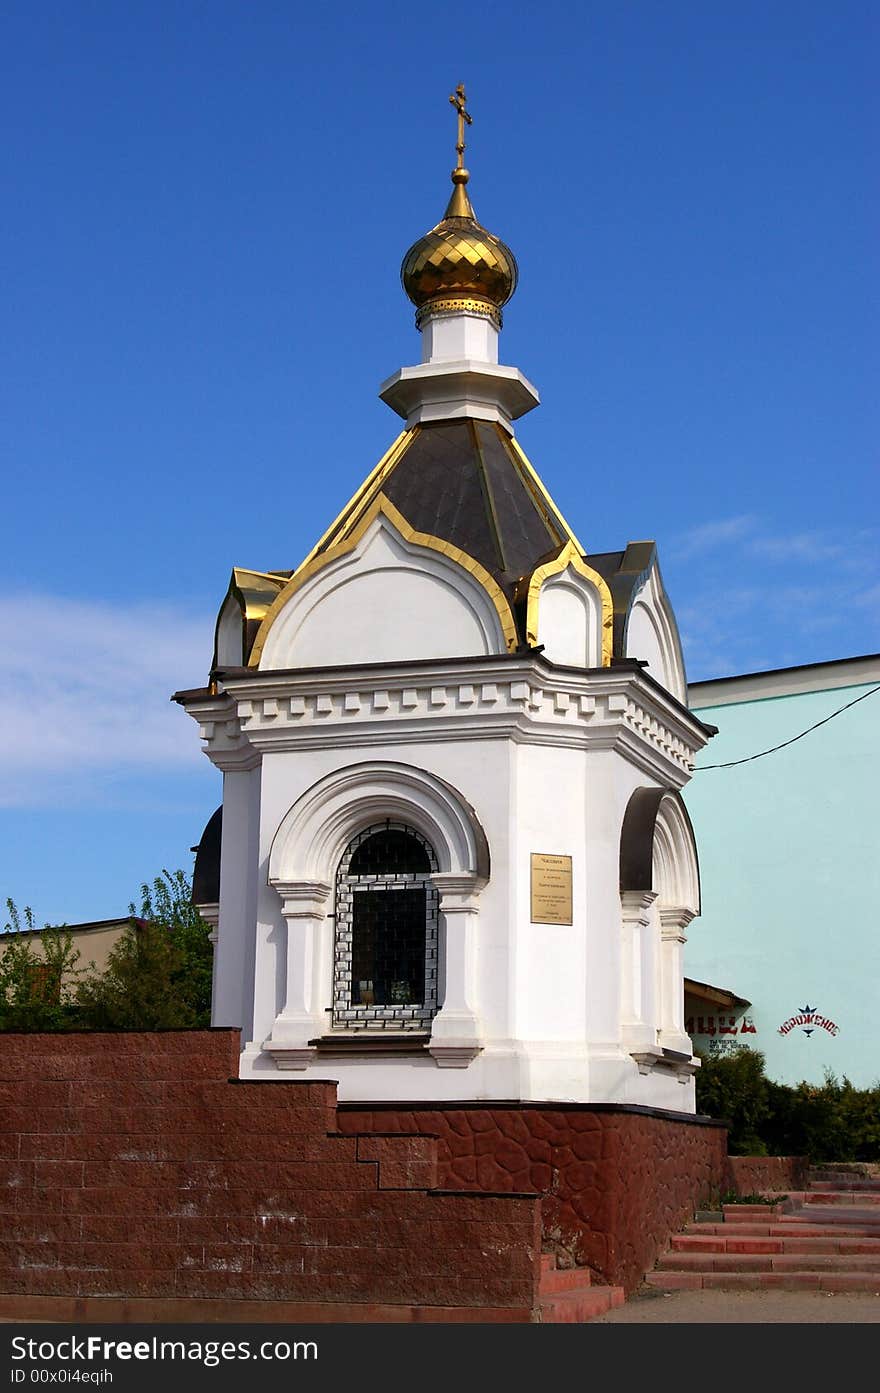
746	1308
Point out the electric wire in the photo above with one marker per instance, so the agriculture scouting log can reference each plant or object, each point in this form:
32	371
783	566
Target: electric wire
773	748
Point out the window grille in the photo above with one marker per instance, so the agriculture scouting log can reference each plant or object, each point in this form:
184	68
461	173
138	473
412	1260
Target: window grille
385	960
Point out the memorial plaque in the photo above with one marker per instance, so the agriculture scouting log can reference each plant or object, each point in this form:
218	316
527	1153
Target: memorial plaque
551	889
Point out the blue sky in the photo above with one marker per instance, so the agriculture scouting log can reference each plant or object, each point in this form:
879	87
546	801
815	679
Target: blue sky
206	208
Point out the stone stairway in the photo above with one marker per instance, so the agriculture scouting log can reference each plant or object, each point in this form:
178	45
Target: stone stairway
567	1295
824	1238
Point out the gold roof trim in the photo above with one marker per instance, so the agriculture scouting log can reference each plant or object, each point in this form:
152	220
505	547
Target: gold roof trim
371	485
253	592
347	543
256	589
570	556
542	498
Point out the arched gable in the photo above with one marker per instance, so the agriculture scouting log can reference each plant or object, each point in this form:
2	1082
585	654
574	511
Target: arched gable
651	635
386	593
569	611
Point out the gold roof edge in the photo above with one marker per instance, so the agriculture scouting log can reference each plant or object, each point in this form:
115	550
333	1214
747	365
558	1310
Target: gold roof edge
570	556
347	543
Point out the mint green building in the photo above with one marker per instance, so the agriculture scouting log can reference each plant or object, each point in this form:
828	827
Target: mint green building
790	871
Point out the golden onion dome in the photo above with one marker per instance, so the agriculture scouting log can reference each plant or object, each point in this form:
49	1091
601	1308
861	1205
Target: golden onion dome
459	264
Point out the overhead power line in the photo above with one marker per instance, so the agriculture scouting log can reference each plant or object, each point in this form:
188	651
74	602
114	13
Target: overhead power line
773	748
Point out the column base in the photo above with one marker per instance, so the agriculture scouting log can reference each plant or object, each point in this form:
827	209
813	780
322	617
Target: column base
454	1054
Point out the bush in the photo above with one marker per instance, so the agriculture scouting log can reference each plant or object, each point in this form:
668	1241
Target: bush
158	975
733	1087
37	989
834	1121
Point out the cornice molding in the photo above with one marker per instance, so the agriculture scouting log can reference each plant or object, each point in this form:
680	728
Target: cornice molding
519	699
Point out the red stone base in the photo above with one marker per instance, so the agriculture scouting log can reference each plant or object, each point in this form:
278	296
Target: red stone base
614	1181
758	1175
118	1310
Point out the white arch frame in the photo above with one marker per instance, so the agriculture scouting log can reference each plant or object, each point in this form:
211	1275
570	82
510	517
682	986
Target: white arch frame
652	600
676	876
676	872
410	551
305	853
314	833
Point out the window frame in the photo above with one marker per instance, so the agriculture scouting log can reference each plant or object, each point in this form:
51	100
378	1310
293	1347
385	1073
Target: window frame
350	1016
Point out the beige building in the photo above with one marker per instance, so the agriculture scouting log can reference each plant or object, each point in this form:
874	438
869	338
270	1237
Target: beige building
92	941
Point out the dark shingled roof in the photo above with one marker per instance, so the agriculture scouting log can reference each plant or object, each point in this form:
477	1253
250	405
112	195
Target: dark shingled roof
463	482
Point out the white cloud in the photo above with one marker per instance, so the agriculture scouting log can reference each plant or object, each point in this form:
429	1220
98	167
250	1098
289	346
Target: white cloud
708	535
800	546
86	693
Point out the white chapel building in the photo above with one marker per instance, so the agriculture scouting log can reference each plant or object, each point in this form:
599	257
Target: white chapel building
452	860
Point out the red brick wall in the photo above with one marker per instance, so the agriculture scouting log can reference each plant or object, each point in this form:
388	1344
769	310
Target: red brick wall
131	1166
614	1183
753	1175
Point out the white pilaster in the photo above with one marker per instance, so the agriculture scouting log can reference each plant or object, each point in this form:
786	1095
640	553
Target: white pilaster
303	906
638	971
673	921
455	1030
232	1003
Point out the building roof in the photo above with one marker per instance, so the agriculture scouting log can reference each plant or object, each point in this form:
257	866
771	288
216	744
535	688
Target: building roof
786	681
713	996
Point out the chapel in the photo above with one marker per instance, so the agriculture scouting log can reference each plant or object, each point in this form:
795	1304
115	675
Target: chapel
452	860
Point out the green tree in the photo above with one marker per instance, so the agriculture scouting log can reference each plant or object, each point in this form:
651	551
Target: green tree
38	989
158	975
733	1087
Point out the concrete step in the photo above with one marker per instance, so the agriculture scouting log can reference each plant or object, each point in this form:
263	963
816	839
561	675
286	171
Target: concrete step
844	1182
567	1296
564	1279
768	1262
755	1281
570	1307
774	1243
748	1213
848	1215
786	1227
850	1195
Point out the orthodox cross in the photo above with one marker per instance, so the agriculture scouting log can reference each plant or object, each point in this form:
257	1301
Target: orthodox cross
458	100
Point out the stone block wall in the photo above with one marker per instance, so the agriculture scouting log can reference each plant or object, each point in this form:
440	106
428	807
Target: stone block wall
614	1182
757	1175
134	1169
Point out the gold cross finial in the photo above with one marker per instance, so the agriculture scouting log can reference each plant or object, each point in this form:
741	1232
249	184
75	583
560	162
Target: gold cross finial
458	100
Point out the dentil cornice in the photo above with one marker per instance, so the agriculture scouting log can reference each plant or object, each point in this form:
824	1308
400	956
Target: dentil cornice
522	699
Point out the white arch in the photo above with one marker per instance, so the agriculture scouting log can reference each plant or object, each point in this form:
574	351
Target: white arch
676	872
314	833
652	635
570	619
384	596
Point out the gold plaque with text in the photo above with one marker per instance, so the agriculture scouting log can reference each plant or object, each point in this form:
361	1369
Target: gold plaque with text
551	889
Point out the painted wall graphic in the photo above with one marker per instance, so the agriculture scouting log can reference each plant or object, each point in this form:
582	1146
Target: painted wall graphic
808	1020
719	1025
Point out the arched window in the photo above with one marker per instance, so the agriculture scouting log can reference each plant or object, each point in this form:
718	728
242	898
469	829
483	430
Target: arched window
385	962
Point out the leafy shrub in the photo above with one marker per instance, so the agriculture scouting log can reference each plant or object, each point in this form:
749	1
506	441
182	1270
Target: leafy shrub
834	1121
37	989
733	1087
158	975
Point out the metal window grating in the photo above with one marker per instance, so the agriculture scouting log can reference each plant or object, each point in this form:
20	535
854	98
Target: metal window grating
387	909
